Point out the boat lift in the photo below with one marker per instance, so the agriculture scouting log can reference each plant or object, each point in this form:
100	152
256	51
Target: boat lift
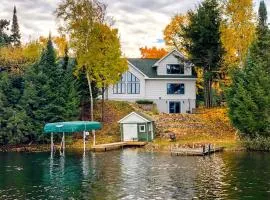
71	127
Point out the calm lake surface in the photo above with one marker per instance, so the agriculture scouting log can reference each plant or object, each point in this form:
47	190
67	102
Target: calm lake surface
134	174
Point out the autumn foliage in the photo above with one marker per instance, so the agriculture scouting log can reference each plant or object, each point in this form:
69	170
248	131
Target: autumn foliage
206	126
153	52
237	31
172	32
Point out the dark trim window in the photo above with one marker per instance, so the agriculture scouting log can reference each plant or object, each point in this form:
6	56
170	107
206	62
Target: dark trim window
129	84
142	128
175	69
175	88
174	107
119	88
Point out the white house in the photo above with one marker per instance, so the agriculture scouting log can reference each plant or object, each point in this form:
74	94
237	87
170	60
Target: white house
168	82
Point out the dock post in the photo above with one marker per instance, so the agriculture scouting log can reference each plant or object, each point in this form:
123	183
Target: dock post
84	141
64	144
203	149
209	149
94	136
51	144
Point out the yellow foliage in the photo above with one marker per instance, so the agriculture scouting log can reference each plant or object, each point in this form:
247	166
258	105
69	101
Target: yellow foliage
237	31
172	32
15	59
60	43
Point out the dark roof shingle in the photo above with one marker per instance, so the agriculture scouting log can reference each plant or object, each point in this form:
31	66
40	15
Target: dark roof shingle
145	65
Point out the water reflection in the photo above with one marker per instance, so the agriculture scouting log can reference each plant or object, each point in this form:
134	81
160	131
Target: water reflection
132	174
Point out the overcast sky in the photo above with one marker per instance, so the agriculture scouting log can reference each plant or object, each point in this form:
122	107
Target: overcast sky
140	22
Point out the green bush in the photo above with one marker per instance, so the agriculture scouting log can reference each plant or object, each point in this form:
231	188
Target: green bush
257	143
144	101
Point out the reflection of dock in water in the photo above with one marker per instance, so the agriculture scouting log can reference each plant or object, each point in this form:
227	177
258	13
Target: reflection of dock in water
117	145
205	150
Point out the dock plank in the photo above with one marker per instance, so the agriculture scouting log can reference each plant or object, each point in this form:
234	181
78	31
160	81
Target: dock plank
117	145
194	152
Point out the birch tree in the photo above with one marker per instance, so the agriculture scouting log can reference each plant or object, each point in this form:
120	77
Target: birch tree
96	45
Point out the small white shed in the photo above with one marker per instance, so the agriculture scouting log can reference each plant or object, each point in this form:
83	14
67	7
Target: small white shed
137	127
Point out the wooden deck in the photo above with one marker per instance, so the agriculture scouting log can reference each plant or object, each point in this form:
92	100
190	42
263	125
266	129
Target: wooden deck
195	151
117	145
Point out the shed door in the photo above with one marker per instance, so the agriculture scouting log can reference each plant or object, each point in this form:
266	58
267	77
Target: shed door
130	132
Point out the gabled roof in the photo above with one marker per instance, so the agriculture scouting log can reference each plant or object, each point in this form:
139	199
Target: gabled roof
145	117
144	65
148	66
171	52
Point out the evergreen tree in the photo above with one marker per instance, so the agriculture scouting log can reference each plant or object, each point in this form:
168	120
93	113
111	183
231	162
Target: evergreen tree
50	93
15	32
262	15
249	96
4	37
203	42
12	119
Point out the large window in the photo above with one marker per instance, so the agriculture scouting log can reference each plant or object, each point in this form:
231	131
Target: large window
175	69
176	88
129	84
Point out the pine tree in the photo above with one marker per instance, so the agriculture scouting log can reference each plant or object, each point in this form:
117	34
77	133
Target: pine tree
249	96
4	37
203	43
262	15
15	32
12	119
50	93
42	99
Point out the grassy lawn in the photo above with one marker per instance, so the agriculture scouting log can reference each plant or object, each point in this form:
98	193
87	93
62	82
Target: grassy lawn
206	126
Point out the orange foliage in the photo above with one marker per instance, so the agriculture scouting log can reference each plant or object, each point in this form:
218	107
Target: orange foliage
153	52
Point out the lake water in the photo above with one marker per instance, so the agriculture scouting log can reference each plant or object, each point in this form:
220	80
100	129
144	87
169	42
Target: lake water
134	174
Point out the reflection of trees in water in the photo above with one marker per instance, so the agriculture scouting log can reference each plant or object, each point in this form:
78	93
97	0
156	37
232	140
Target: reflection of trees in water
103	178
18	174
248	175
209	181
157	176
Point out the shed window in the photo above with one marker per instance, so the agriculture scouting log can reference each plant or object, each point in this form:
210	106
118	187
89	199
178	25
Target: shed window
142	128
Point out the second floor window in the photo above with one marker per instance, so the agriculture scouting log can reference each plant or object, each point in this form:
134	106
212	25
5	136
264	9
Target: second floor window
175	69
129	84
175	88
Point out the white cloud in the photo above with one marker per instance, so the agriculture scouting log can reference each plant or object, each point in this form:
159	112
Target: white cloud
140	22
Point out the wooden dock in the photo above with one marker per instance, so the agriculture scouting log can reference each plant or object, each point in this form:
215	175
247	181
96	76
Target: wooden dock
195	151
116	145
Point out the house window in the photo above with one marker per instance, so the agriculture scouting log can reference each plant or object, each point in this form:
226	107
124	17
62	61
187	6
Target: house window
120	88
129	84
142	128
133	84
174	107
175	88
175	69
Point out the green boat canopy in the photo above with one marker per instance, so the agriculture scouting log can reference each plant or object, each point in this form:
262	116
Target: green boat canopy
70	127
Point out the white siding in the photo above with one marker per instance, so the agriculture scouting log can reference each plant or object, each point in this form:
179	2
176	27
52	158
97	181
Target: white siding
157	89
133	118
126	96
171	59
